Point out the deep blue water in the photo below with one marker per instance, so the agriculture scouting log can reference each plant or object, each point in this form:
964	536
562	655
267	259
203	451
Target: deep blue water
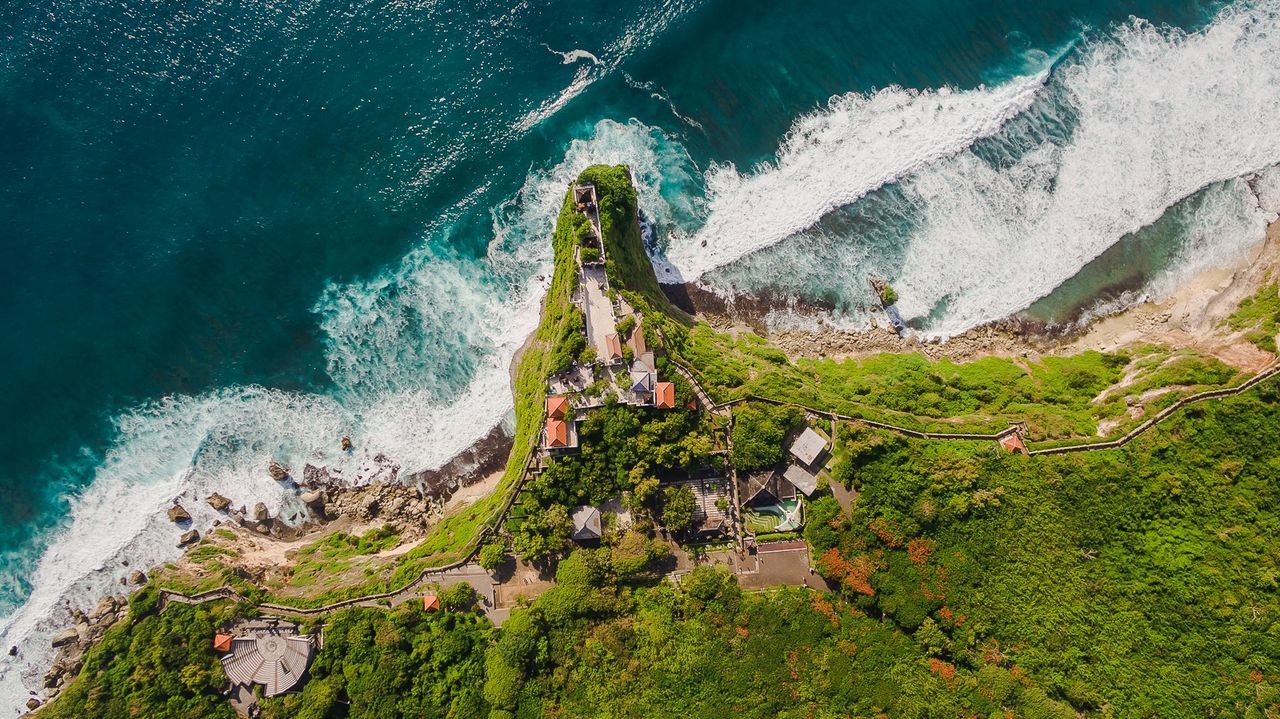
312	197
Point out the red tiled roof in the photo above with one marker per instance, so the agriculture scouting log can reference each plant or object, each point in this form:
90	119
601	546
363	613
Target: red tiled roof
664	395
557	433
222	642
1013	443
430	602
556	406
614	343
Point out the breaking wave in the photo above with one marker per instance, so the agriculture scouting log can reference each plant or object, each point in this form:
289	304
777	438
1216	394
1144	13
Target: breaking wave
419	358
1132	123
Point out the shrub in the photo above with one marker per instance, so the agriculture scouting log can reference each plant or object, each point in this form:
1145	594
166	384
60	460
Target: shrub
590	254
678	507
758	432
492	555
459	597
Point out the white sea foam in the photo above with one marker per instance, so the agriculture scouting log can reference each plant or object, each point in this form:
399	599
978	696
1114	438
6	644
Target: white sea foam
1159	115
834	156
177	448
1134	122
1221	228
419	356
568	58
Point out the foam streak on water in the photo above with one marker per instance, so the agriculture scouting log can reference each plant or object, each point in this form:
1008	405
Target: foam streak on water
419	356
1131	124
833	157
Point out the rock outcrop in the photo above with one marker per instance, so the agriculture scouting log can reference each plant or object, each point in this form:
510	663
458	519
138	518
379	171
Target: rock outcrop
218	502
260	512
73	642
177	513
188	537
65	637
278	471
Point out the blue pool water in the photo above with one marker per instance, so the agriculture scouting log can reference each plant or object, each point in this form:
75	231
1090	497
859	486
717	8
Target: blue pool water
235	232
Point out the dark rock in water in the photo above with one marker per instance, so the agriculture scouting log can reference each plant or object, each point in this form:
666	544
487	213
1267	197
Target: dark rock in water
313	475
189	537
13	650
65	637
278	471
138	577
260	512
178	514
346	444
218	502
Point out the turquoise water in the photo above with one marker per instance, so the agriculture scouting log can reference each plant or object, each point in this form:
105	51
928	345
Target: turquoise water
235	232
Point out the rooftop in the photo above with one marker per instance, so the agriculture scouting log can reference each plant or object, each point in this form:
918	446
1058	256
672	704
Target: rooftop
276	661
802	478
664	395
808	446
614	346
586	523
557	433
557	405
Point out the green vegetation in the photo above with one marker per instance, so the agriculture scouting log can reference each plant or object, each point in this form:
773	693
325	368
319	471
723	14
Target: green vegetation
1260	315
385	665
159	666
492	555
1126	583
758	433
888	295
621	448
678	506
626	265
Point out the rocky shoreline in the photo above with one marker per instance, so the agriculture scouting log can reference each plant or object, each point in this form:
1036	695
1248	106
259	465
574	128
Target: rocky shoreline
1191	317
409	504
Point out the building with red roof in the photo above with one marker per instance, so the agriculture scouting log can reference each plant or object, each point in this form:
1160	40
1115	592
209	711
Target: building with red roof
613	344
664	395
1013	443
431	602
222	643
557	406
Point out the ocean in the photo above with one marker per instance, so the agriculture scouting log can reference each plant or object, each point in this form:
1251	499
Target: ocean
242	231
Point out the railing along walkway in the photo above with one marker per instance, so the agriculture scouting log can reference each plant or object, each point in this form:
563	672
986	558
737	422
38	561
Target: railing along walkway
168	595
1019	428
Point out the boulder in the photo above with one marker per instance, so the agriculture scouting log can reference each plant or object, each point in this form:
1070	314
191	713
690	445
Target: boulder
313	499
53	677
178	514
312	474
33	704
138	577
260	512
65	637
218	502
346	444
190	536
105	607
278	471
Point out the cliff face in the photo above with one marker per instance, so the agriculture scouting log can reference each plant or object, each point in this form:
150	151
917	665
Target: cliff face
627	264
